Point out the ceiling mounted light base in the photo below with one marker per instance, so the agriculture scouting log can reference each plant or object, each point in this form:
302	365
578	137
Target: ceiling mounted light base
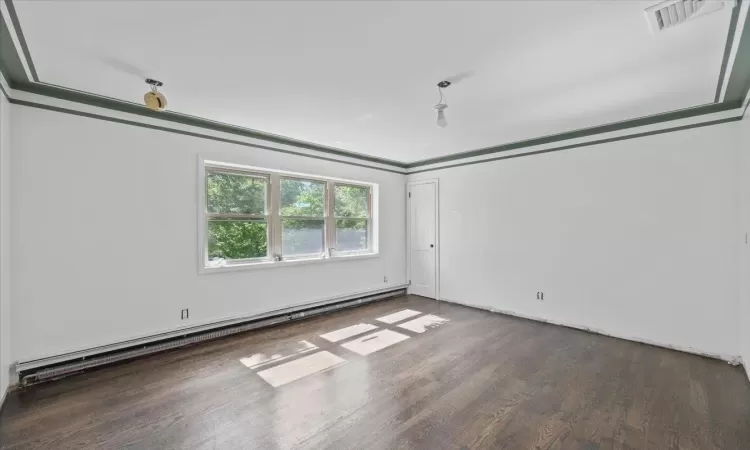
155	100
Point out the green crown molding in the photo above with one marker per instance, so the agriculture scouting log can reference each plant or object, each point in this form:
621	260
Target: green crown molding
585	132
190	133
738	86
727	51
15	75
737	89
85	98
10	63
21	38
739	80
583	144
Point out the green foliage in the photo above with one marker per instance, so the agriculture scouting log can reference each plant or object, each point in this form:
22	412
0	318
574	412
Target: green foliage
239	238
350	201
236	194
351	234
302	199
351	208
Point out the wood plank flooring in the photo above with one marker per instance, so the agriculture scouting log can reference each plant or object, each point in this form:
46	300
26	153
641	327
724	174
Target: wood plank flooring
480	380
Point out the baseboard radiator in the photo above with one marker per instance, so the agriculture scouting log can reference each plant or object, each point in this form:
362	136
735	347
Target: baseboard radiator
63	369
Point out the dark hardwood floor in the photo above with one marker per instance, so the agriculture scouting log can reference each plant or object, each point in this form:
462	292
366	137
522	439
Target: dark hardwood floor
480	380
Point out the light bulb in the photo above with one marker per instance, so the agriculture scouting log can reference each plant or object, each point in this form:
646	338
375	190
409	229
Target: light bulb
441	122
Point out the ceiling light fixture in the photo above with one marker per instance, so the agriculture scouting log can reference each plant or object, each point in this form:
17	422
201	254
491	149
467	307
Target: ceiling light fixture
442	105
155	100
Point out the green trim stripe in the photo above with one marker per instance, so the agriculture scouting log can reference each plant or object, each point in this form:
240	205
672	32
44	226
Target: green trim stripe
737	89
17	79
739	79
263	147
727	50
21	38
10	63
190	133
583	144
133	108
48	90
11	66
585	132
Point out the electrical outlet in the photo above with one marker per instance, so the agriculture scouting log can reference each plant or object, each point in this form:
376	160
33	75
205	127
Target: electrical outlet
385	279
540	295
184	314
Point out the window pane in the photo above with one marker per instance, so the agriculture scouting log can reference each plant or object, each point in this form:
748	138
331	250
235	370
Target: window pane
302	198
237	239
351	201
351	234
301	237
235	194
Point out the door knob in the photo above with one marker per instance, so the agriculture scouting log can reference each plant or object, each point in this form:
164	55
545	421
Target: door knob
432	245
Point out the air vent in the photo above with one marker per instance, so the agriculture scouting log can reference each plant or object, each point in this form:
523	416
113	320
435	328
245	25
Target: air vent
671	13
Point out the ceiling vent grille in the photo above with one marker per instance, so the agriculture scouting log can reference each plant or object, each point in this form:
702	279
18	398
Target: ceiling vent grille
671	13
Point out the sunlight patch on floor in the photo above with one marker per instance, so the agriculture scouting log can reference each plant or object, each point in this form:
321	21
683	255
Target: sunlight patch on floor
422	324
261	359
345	333
398	316
289	362
300	368
373	342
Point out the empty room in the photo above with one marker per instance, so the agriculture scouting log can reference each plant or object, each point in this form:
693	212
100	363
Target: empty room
375	224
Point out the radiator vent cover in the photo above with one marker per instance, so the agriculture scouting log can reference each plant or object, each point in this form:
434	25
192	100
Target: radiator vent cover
671	13
40	374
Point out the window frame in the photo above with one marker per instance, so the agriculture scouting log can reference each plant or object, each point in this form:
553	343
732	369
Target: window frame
278	246
273	217
334	218
208	216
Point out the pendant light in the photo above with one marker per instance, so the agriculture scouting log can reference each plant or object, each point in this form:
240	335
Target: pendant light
442	104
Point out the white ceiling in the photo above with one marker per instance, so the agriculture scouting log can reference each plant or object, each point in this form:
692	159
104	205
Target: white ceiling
361	75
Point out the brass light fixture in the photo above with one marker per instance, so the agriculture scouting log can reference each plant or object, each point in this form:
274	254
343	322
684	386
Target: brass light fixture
155	100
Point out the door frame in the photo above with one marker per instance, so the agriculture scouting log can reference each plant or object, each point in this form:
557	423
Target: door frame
409	184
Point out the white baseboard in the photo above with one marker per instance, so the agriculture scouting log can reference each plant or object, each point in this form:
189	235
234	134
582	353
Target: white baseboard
731	359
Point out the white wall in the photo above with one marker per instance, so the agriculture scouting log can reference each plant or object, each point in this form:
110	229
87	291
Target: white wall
5	250
105	235
637	238
745	254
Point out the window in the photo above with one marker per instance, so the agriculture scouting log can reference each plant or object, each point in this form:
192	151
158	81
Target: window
303	204
351	209
236	210
262	217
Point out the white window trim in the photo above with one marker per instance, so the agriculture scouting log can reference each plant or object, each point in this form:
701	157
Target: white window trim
274	221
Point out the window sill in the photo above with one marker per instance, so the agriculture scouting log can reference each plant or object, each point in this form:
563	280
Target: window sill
287	263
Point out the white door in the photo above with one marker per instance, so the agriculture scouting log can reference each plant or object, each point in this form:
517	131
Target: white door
422	223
